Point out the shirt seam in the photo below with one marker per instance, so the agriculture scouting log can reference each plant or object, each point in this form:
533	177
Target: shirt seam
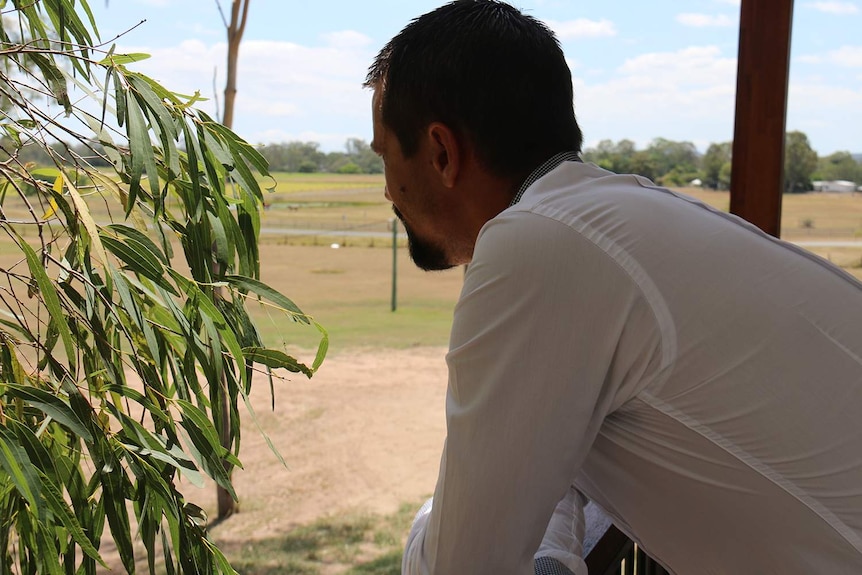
634	271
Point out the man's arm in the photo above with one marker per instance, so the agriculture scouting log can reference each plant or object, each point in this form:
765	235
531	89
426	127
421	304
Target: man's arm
550	335
561	550
562	547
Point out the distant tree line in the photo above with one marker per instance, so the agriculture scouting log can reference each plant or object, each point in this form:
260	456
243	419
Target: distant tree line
301	157
677	164
666	162
306	157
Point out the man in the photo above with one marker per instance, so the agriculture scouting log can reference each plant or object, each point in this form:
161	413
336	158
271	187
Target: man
698	379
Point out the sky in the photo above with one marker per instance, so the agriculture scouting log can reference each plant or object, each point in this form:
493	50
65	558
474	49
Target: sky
641	69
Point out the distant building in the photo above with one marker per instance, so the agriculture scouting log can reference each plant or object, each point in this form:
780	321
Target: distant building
841	186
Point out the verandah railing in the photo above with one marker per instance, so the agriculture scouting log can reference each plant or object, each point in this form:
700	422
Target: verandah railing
609	551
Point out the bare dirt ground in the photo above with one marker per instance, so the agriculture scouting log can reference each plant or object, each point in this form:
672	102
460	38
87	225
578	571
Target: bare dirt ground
365	434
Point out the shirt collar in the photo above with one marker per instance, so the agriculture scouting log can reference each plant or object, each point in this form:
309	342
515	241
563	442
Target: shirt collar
549	165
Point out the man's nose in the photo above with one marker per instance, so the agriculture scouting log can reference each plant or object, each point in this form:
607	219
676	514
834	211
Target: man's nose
386	193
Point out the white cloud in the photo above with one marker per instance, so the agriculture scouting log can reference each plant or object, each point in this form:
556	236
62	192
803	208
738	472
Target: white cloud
698	65
347	39
705	20
810	59
687	94
835	7
850	56
282	86
329	141
582	28
846	56
824	112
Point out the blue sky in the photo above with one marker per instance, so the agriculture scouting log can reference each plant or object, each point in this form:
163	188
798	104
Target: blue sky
657	68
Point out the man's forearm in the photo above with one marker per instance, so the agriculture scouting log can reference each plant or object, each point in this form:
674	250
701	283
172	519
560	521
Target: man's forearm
413	564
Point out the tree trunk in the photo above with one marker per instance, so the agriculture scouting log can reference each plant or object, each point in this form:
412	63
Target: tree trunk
235	29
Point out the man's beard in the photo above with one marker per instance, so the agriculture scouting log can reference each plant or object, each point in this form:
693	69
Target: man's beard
425	255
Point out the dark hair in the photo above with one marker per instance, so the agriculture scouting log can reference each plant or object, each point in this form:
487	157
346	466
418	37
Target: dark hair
489	72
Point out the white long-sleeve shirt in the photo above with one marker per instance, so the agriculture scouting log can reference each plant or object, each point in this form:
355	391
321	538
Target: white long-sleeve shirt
698	379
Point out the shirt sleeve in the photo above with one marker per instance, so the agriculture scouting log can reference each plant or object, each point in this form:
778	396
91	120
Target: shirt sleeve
550	335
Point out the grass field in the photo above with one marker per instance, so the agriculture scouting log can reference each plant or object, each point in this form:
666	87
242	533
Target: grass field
348	289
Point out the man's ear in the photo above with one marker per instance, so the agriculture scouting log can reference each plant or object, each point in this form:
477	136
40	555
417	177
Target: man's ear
446	153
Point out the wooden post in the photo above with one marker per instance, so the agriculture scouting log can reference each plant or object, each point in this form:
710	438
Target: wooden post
756	181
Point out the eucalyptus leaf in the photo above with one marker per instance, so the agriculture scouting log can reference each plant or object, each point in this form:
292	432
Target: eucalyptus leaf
124	349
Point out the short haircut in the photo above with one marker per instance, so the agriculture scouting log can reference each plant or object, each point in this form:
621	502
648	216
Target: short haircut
492	74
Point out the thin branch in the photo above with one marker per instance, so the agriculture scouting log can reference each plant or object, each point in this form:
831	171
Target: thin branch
221	13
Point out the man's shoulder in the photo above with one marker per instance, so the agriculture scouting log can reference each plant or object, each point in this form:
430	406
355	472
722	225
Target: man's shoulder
572	185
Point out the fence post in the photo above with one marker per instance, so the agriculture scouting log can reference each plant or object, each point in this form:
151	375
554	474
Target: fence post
394	263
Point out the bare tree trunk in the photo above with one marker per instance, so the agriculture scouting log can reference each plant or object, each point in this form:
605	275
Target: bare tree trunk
235	30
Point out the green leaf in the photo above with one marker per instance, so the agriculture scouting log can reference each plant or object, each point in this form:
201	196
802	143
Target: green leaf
207	447
150	100
55	78
264	291
275	359
123	59
120	100
141	150
207	307
118	515
322	348
242	148
50	297
49	562
52	406
61	511
156	447
218	150
13	133
86	218
48	175
24	475
140	261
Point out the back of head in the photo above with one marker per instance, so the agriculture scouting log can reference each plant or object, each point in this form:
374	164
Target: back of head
494	75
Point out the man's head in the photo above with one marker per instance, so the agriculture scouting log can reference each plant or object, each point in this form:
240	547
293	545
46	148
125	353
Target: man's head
469	99
494	75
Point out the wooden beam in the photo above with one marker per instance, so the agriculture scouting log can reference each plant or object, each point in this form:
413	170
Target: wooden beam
763	68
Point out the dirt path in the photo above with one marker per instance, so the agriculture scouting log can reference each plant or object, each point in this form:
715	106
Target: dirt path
364	434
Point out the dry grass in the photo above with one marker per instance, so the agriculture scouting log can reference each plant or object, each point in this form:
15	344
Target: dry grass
349	290
813	218
806	216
